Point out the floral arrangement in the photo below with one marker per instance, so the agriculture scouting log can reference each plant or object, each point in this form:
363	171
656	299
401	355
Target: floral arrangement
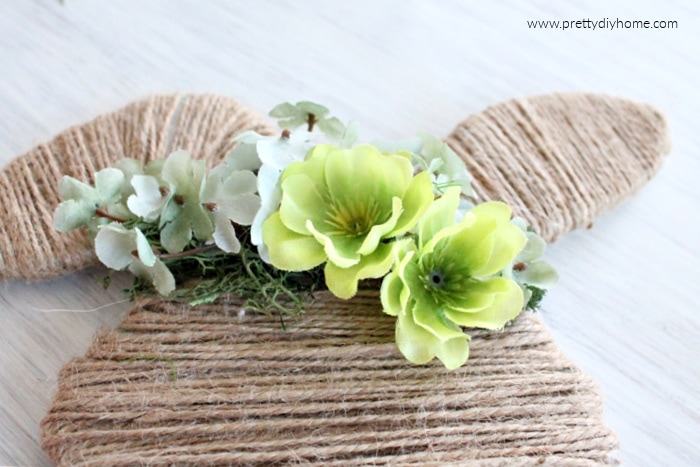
309	209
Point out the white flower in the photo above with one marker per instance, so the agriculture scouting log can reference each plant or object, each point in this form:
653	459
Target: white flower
120	248
274	153
279	151
183	215
149	197
230	200
270	197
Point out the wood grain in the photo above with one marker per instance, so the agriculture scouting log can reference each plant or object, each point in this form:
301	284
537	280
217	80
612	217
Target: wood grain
627	307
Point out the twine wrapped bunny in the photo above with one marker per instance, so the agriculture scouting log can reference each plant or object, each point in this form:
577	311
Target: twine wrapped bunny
177	385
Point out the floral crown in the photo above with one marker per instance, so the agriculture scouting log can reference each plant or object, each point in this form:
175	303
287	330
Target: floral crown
310	209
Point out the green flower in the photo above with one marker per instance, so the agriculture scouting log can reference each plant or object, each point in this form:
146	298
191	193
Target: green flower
183	213
449	280
340	207
86	205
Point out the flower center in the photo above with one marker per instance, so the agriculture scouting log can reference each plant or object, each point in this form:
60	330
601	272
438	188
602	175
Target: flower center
352	218
435	279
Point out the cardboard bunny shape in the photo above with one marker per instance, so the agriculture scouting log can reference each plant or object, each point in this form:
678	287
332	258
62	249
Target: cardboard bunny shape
178	385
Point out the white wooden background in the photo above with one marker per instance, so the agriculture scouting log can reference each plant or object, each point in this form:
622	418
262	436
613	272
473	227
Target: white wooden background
627	310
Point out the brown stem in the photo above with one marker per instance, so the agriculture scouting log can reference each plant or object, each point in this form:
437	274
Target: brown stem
191	252
311	122
103	213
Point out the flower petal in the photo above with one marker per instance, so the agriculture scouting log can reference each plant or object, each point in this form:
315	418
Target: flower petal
289	250
177	169
342	251
282	151
72	214
415	203
380	231
508	239
534	248
250	137
158	274
194	214
241	209
71	188
301	203
539	274
363	174
440	214
108	183
243	157
342	282
453	353
270	196
114	246
148	201
470	248
143	248
426	314
420	346
240	181
414	342
507	304
390	293
176	234
225	234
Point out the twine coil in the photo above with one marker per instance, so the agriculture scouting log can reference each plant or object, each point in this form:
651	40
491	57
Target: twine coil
179	385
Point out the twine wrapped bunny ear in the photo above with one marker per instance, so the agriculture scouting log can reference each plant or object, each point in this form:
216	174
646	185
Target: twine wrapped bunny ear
561	159
30	247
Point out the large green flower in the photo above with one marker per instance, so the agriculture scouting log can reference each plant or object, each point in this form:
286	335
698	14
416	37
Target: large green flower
341	206
450	279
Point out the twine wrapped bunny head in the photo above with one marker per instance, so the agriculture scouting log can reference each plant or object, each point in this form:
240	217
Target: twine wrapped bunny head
177	384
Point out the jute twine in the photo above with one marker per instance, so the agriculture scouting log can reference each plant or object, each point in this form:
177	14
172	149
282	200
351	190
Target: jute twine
179	385
561	159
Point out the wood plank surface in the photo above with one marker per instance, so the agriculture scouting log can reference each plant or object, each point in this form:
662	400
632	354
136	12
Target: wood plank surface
627	308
